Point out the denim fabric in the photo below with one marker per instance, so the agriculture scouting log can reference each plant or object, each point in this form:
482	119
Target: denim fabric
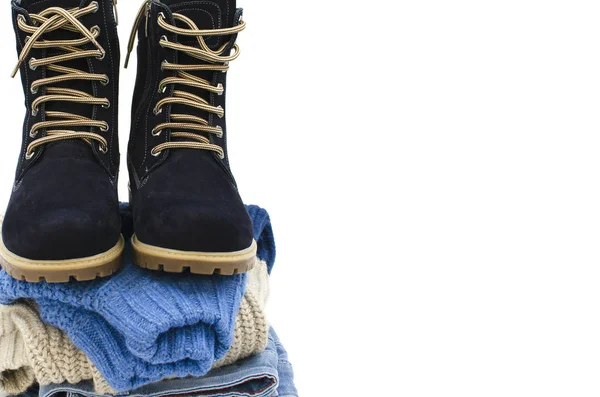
286	387
32	392
267	374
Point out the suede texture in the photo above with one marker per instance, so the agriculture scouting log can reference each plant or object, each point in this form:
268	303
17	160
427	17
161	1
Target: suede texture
188	204
52	216
64	203
182	199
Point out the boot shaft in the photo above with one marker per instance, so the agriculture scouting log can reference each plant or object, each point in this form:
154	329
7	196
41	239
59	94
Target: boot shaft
42	104
164	58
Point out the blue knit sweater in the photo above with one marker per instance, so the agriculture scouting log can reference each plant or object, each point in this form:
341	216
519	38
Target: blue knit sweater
141	326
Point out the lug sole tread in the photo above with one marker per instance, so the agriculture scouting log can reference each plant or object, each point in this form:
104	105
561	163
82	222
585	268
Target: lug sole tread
57	271
174	261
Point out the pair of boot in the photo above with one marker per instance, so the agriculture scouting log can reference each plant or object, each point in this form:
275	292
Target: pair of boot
63	219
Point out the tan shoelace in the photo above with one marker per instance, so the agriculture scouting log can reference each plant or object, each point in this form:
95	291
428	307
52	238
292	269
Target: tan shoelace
215	60
49	20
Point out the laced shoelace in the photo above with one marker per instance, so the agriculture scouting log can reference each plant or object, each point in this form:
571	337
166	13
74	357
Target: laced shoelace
214	60
49	20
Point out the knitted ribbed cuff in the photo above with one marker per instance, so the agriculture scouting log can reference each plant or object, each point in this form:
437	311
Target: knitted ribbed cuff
103	345
166	318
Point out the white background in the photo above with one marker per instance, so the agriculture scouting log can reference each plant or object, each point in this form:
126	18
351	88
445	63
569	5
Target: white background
431	169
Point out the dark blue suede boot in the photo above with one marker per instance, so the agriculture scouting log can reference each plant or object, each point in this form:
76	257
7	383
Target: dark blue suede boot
63	218
187	210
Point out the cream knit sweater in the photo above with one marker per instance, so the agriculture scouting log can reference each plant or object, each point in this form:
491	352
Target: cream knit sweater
34	352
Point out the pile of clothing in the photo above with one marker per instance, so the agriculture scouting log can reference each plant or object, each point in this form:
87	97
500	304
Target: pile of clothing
141	332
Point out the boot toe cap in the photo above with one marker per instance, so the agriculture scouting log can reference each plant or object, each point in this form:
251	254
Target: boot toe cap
196	227
60	234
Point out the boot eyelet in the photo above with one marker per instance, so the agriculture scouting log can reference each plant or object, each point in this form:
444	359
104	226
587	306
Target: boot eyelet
32	67
156	133
222	113
103	149
33	134
155	154
105	128
162	15
157	111
95	4
162	65
34	111
95	28
21	18
220	133
220	88
34	90
105	81
28	156
102	55
221	156
106	105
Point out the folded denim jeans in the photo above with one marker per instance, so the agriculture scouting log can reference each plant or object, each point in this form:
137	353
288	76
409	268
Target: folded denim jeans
267	374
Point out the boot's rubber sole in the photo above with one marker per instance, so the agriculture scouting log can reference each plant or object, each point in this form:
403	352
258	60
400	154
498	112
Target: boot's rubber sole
61	271
176	261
